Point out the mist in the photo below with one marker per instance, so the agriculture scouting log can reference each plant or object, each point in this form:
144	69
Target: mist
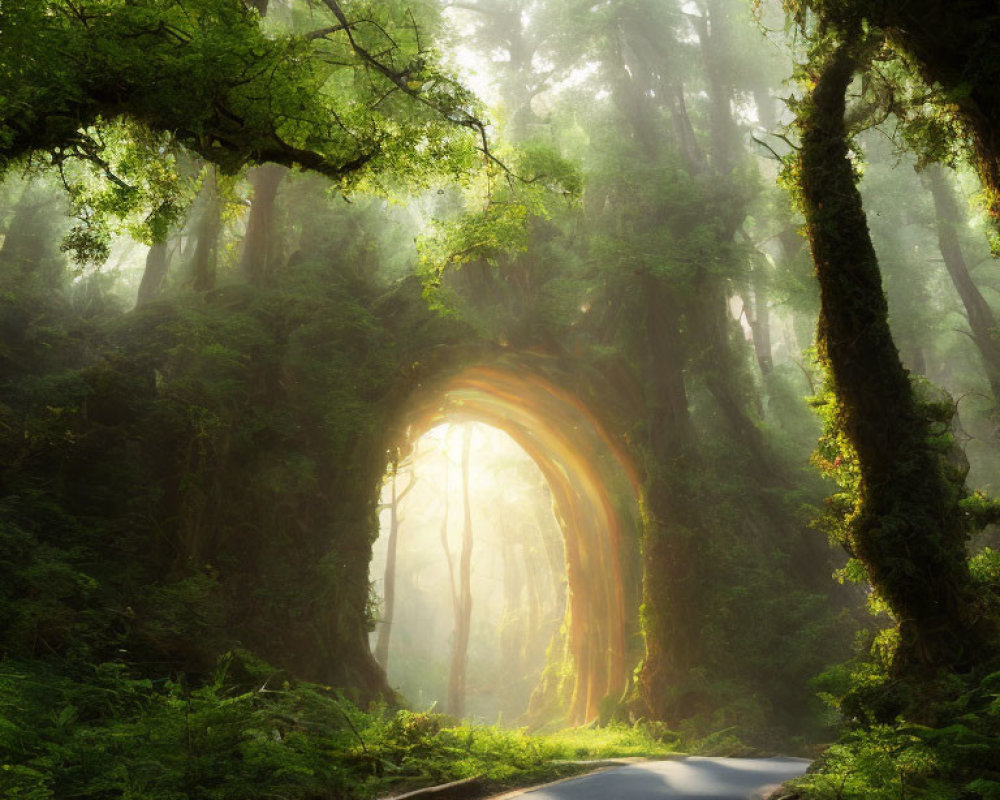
407	392
517	573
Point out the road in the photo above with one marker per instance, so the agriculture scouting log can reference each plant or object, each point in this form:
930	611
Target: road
683	779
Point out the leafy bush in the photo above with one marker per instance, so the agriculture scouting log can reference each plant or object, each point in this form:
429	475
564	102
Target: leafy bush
958	756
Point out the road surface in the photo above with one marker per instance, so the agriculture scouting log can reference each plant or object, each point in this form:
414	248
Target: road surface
682	779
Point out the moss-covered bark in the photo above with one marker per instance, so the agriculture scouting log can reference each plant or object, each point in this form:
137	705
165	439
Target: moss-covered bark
908	529
956	46
670	542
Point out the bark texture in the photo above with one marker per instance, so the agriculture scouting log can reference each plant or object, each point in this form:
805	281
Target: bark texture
153	277
909	531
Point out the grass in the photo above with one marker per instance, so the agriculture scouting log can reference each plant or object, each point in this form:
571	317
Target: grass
614	741
110	736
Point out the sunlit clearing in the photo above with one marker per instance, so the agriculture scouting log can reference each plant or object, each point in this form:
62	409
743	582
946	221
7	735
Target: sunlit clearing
516	573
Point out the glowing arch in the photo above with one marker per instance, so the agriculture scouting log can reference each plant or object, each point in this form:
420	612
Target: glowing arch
586	471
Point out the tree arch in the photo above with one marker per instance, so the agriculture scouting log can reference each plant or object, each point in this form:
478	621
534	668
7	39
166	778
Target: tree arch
595	497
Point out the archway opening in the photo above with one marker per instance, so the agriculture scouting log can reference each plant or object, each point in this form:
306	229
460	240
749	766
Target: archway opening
594	499
470	573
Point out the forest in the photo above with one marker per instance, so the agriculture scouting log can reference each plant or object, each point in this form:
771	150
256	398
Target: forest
396	393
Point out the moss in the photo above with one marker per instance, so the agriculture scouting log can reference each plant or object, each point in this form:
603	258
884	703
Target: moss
906	525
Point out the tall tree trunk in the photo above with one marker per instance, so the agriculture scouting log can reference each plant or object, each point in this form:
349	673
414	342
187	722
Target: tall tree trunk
381	651
533	582
153	277
672	431
981	318
207	234
759	315
670	542
714	38
260	245
759	320
463	621
514	628
709	322
553	547
709	315
909	531
684	130
446	547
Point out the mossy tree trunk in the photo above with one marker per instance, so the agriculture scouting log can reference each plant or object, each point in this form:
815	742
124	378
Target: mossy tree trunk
957	45
909	531
670	542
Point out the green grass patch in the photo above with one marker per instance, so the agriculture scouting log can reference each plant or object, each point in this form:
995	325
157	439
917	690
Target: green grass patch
616	740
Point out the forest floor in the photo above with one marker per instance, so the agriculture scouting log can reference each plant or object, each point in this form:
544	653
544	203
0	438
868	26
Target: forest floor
114	735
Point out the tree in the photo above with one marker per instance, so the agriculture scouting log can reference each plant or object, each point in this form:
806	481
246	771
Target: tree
261	245
907	528
353	97
381	651
982	320
954	45
207	230
646	271
155	273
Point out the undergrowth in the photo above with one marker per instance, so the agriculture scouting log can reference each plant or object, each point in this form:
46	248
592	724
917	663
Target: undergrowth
954	757
242	735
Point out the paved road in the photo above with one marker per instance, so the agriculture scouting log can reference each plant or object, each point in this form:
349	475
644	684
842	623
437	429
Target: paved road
684	779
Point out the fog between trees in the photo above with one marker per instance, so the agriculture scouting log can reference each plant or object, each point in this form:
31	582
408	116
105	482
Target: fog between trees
629	364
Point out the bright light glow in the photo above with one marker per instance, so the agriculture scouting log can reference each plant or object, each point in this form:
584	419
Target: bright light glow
517	575
471	66
590	480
